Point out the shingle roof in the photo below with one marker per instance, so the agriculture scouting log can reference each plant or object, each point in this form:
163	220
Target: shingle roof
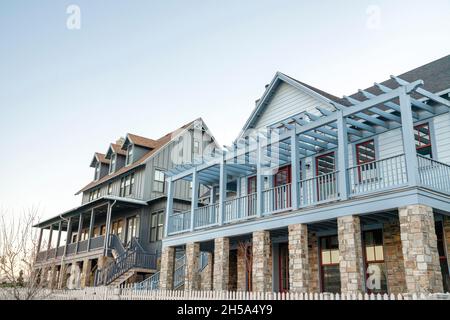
161	142
116	148
100	157
142	141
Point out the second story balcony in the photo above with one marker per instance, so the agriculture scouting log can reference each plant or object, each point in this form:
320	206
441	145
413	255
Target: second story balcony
299	165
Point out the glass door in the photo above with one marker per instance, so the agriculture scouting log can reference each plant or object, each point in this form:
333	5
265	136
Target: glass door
283	267
132	227
326	178
282	195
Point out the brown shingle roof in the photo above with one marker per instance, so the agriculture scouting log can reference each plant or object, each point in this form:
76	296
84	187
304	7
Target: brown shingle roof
101	158
116	148
142	141
161	142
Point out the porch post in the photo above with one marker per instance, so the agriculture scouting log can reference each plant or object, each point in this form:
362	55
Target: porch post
194	197
222	191
40	240
80	226
167	268
58	240
192	275
259	179
295	170
68	234
49	244
108	227
262	261
342	156
169	207
409	143
91	226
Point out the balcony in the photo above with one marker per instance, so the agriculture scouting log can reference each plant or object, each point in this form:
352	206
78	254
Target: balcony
365	179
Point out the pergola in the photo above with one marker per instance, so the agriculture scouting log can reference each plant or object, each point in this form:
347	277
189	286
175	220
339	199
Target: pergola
310	133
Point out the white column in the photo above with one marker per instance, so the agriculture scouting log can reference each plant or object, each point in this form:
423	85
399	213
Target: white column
108	229
40	240
194	197
169	206
68	234
259	179
342	156
58	239
295	170
49	244
222	191
409	142
91	226
80	225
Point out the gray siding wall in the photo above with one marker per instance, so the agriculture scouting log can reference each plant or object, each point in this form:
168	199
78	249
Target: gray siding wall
442	137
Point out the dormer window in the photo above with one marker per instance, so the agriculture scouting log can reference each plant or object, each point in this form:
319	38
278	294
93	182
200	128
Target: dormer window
129	155
97	171
112	164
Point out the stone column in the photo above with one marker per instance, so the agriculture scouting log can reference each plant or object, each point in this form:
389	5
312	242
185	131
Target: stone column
64	273
192	276
446	225
44	276
167	268
393	257
52	277
241	270
298	258
206	275
351	263
262	262
86	273
419	244
221	263
313	253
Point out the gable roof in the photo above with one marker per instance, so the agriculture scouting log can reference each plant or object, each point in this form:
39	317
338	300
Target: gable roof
99	157
115	148
270	90
139	141
159	144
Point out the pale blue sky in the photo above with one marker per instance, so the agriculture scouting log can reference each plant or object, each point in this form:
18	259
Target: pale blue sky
148	67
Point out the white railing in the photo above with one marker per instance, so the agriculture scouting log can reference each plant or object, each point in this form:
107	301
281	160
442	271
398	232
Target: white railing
318	189
378	175
206	216
434	174
240	208
179	222
130	293
277	199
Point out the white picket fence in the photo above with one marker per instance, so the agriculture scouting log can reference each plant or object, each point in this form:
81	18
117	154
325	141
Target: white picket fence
130	293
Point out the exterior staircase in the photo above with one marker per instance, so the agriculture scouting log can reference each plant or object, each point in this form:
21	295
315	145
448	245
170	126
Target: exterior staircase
152	282
125	265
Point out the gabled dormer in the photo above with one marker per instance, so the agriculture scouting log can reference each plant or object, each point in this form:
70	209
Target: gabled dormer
116	156
100	164
136	147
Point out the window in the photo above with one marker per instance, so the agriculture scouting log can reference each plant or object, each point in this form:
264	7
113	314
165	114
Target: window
365	157
117	228
95	194
196	147
74	237
130	155
103	230
132	227
158	182
326	181
97	171
374	259
96	232
442	255
126	185
157	226
423	140
112	164
329	263
110	185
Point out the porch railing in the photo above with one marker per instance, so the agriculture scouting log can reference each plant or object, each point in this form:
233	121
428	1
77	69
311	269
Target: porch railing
378	175
277	199
71	248
434	174
97	242
318	189
206	216
179	273
239	208
179	222
83	246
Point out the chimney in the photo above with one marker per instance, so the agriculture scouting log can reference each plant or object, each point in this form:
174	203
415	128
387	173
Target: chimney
120	141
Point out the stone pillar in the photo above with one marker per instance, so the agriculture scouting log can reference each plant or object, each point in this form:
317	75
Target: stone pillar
393	257
351	263
262	262
446	225
86	273
64	273
44	276
221	263
52	277
167	268
313	255
241	270
206	282
419	245
298	258
192	276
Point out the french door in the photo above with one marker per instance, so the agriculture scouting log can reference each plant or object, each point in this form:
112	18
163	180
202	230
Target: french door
282	179
283	267
325	176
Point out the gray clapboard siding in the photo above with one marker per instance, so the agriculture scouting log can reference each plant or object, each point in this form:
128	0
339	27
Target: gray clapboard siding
442	137
288	101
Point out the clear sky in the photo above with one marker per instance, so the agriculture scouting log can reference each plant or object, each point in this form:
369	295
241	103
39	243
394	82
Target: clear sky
148	67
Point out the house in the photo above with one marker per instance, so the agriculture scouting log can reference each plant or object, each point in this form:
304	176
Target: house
114	236
323	194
